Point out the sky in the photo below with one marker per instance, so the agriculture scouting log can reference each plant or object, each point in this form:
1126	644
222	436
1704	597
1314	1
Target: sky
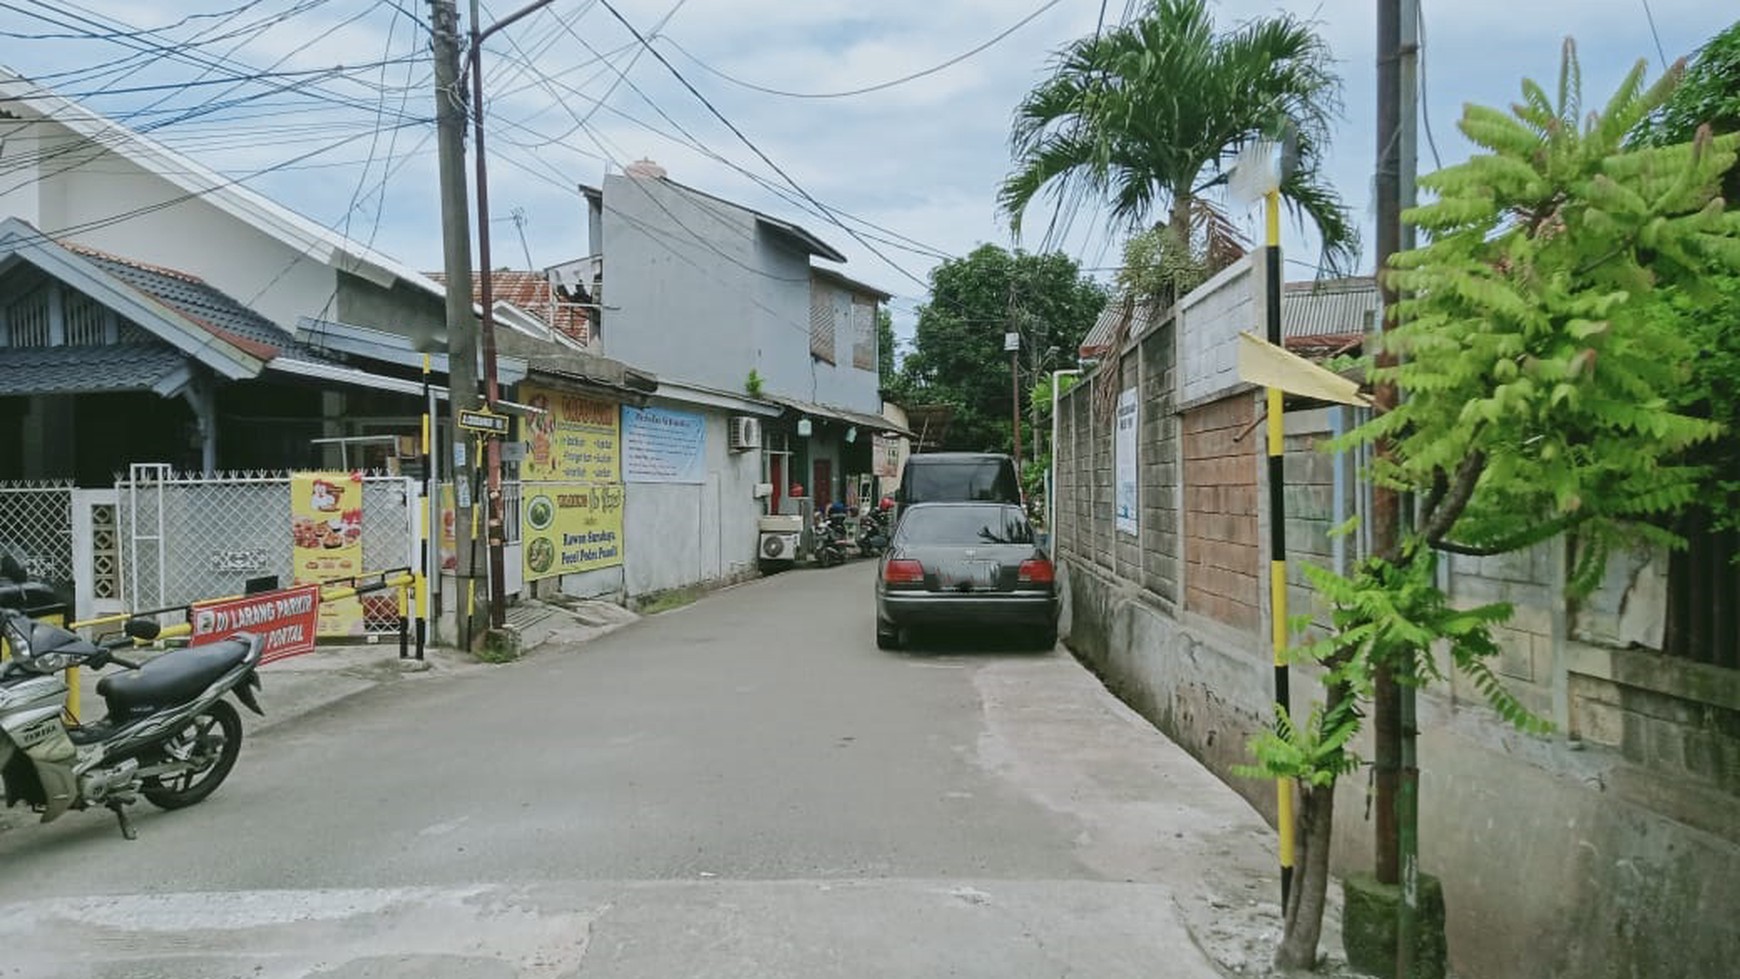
571	94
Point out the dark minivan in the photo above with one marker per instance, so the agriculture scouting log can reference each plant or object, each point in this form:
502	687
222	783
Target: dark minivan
958	477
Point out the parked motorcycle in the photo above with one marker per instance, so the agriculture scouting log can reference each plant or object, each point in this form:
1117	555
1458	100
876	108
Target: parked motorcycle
872	533
831	539
170	736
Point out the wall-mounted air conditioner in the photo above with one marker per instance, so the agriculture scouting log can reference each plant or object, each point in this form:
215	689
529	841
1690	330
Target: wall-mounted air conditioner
745	433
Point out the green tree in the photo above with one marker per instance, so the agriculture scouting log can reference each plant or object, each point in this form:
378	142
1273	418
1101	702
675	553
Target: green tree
1709	96
957	356
887	367
1144	118
1538	393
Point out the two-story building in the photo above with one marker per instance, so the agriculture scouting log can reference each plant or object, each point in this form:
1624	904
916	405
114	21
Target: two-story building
723	304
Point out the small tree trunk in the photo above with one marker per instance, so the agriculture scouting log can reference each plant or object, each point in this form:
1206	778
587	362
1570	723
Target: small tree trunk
1304	913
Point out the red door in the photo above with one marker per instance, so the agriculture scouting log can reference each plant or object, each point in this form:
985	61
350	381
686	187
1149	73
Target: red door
776	475
822	489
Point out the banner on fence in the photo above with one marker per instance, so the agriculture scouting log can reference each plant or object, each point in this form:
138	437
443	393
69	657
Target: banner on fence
571	527
326	532
660	445
885	455
1125	451
574	439
286	620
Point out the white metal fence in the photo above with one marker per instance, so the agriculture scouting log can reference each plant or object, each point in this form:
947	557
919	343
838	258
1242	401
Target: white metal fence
191	536
36	529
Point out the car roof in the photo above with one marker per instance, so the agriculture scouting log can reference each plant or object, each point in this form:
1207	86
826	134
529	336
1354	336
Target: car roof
947	504
923	457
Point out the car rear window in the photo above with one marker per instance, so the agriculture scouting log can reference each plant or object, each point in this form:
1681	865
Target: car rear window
990	480
966	525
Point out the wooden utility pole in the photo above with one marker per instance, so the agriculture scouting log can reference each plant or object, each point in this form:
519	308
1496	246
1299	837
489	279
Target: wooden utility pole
461	324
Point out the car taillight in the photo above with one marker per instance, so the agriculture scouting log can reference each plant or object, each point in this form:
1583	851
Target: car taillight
1035	571
903	571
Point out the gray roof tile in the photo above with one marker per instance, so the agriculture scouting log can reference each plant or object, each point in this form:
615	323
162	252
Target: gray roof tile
86	370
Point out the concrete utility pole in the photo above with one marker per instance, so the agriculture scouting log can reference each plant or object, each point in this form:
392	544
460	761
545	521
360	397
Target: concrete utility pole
461	327
1386	503
1408	789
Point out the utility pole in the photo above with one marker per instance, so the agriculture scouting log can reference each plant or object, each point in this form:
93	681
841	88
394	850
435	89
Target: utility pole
1386	503
495	523
1408	788
1013	342
461	328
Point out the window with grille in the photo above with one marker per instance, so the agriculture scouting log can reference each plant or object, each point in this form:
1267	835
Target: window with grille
27	320
86	320
1703	606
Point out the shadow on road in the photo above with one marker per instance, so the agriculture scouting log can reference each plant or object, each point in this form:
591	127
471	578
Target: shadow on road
973	642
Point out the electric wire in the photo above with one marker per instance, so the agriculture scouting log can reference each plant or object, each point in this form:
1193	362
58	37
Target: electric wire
880	86
755	148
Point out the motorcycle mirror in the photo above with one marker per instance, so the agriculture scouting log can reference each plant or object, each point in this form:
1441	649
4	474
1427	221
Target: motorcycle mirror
145	629
11	569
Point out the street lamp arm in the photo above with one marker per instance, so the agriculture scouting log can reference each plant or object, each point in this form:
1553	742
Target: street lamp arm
526	11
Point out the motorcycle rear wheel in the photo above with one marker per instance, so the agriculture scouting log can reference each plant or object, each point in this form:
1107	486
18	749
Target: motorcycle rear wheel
215	736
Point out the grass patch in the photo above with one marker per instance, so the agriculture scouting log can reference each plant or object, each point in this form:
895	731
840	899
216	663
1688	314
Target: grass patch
666	601
497	647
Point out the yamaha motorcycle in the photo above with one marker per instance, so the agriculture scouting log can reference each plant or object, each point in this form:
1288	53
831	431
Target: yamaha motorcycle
170	736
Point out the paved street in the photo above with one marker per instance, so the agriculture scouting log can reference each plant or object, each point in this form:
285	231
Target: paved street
743	787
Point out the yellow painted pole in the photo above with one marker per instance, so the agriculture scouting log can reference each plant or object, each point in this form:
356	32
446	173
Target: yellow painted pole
1278	531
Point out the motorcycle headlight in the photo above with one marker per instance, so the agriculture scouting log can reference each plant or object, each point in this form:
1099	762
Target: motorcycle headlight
52	662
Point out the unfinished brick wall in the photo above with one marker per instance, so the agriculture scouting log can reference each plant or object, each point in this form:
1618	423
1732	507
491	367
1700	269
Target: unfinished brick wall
1222	563
1309	496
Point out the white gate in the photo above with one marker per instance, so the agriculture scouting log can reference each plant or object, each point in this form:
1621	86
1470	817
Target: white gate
191	536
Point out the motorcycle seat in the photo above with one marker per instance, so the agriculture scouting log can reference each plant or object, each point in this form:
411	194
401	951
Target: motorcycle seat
171	679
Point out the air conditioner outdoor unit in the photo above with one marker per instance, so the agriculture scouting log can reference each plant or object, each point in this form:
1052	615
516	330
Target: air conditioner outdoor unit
745	433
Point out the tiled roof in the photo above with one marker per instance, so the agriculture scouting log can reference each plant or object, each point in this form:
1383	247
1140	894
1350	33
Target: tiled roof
190	296
530	291
1099	339
84	370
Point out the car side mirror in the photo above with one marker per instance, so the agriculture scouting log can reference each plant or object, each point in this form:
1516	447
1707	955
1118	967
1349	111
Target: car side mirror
142	629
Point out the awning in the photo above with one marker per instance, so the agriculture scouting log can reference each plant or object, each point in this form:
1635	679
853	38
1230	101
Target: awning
157	368
875	423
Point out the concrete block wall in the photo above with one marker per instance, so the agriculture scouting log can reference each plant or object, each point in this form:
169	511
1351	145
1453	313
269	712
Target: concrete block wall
1209	321
1311	510
1159	556
1222	573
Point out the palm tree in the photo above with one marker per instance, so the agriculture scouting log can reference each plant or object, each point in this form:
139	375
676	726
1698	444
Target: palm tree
1145	117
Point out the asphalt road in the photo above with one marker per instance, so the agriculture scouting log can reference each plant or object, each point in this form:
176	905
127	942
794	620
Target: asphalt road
743	787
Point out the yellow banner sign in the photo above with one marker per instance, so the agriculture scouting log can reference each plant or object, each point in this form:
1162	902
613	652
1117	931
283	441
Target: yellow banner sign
571	527
575	439
326	535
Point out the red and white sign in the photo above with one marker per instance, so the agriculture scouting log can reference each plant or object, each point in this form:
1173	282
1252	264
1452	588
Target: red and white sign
286	620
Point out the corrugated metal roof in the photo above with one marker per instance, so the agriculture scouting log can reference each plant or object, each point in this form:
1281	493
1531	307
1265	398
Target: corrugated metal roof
87	370
1329	307
1099	339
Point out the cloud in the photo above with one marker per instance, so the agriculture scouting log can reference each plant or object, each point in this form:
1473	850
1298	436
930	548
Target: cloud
923	158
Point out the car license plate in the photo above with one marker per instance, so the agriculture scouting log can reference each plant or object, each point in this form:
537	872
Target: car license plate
971	576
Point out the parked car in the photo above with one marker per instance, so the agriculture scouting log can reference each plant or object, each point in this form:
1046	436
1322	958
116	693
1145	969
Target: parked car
965	564
947	477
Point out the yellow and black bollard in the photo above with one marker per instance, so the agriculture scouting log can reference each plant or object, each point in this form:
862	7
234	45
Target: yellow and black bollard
1278	528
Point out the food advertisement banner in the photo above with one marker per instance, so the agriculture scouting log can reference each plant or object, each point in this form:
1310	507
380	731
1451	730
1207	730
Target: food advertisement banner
571	527
663	446
326	531
285	620
575	439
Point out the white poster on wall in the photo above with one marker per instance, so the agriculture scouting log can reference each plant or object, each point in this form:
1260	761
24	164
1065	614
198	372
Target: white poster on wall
1124	459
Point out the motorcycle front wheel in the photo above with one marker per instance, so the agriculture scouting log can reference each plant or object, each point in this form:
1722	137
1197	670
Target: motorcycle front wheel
208	746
